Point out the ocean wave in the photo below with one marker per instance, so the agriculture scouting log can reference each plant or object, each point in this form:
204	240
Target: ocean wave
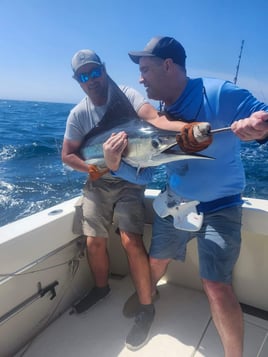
28	197
26	151
7	153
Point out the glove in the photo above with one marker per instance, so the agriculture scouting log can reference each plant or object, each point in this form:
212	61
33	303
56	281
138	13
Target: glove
95	173
194	137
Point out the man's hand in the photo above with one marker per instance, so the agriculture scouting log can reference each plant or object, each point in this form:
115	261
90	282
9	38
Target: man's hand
194	137
253	128
113	149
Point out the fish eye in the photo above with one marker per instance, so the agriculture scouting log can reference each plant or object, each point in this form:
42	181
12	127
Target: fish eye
156	143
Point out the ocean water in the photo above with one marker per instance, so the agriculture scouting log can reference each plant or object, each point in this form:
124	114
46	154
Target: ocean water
33	178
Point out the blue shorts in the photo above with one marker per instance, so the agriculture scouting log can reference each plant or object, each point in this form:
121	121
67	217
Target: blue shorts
219	241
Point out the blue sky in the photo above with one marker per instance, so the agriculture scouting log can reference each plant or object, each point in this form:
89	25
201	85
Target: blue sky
39	37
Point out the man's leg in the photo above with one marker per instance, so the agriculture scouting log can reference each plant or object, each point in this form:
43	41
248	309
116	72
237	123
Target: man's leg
219	243
139	265
227	316
98	261
165	243
140	271
158	270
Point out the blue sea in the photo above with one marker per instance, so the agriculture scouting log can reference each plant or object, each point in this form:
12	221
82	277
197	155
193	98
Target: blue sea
33	178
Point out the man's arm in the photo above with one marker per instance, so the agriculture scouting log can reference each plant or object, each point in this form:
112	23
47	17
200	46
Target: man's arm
148	113
191	137
254	127
70	157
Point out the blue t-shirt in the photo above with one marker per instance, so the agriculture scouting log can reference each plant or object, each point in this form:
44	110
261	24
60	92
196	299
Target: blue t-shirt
220	103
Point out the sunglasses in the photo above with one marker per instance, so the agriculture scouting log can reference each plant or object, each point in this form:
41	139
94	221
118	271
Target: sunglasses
84	77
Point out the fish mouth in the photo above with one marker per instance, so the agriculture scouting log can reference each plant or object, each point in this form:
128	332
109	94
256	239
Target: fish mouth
163	143
168	148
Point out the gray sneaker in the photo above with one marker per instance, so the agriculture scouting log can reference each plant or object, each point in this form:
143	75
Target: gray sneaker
95	295
139	333
132	306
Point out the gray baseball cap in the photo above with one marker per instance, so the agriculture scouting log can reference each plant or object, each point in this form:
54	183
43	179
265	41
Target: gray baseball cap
83	57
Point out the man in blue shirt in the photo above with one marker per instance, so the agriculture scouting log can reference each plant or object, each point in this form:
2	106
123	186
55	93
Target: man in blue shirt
214	185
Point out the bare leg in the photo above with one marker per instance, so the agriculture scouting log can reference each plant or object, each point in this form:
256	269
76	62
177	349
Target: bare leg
227	316
98	260
140	271
139	265
158	269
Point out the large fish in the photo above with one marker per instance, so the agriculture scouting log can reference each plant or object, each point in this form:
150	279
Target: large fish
147	145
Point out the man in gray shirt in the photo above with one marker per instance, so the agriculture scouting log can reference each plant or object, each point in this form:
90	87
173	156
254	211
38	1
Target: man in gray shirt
107	199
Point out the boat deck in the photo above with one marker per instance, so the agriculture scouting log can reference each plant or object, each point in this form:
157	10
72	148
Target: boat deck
182	327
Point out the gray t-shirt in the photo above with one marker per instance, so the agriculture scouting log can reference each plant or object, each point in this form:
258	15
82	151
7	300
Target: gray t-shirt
85	115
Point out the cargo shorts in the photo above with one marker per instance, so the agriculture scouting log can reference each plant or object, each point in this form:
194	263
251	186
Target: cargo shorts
109	201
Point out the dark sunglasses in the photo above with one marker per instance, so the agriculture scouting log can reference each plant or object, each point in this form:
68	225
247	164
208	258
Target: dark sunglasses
84	77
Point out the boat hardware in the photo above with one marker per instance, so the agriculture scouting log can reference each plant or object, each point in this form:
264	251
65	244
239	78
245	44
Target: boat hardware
41	292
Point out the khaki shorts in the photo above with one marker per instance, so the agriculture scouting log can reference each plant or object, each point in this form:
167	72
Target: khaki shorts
109	201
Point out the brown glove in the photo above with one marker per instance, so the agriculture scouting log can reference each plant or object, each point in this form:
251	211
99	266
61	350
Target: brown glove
95	173
194	137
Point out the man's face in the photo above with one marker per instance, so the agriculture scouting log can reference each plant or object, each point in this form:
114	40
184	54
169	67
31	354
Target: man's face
92	79
152	76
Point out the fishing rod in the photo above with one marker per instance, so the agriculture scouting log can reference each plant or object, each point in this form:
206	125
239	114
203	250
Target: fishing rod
220	130
239	59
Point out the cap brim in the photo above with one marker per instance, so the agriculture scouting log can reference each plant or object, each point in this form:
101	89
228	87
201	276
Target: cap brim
86	62
135	56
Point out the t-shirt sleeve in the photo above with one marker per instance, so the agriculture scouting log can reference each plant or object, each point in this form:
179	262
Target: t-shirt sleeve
73	130
79	122
135	97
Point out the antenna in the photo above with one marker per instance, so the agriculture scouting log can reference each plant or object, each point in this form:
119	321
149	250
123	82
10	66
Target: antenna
239	59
